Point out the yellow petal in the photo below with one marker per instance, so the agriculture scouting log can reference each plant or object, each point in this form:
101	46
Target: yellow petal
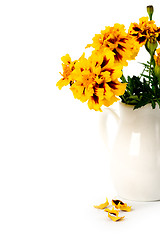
114	218
103	205
66	59
113	214
121	205
113	211
88	45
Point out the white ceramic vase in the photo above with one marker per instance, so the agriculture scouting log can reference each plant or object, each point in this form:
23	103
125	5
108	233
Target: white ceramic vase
135	157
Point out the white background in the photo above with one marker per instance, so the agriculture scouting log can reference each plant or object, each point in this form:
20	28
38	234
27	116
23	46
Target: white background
54	165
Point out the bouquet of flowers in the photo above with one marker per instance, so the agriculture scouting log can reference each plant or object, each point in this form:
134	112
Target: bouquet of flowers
99	80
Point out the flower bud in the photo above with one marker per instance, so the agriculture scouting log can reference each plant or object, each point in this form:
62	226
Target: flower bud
151	45
150	11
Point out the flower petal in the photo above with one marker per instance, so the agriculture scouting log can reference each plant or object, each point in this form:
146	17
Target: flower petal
121	205
113	214
115	218
103	205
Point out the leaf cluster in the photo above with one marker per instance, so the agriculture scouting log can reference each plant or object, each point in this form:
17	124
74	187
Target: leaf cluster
143	89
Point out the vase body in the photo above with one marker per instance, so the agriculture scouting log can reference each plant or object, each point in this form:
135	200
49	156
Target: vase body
135	158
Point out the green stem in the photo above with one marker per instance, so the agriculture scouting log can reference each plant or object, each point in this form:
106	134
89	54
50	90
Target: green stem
150	68
142	73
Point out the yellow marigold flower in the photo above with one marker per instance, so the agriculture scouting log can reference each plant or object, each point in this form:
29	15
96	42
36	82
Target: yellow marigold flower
157	58
93	80
103	205
121	205
113	214
117	40
144	31
157	64
68	67
96	79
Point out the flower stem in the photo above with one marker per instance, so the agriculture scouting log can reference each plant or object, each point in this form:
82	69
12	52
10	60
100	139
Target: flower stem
150	64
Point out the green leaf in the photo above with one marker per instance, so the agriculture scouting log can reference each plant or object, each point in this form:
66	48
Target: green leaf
145	64
153	103
141	103
123	79
158	101
143	75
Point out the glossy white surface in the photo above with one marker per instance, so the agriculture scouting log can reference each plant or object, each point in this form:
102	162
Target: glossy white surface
135	157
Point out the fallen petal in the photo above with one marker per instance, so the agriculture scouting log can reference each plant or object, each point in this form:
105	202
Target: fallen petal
121	205
115	218
113	214
103	205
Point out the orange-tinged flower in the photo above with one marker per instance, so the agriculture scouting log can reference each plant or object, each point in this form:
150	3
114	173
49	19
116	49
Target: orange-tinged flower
113	214
93	80
118	41
103	205
157	64
144	31
121	205
157	57
96	79
68	67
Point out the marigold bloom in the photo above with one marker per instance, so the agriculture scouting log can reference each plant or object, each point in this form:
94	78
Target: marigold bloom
145	30
103	205
96	80
121	205
118	41
68	67
157	64
157	57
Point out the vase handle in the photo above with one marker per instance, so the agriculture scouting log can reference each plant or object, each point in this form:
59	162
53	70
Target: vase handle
104	125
